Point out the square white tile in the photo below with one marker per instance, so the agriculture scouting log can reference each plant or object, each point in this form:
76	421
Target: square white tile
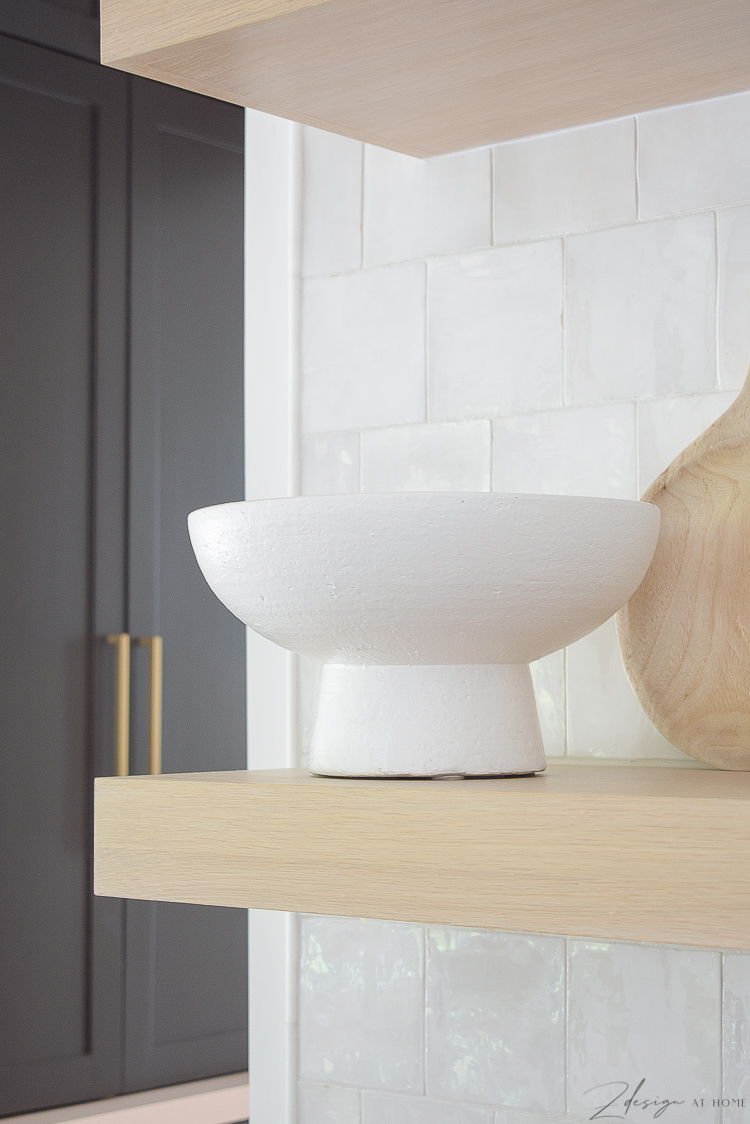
639	1013
736	1037
327	1104
692	157
640	311
565	182
548	677
734	296
453	456
589	451
666	426
415	208
361	1004
330	464
495	332
495	1015
332	203
605	718
363	349
384	1108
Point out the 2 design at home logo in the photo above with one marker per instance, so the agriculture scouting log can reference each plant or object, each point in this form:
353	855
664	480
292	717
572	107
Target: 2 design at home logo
622	1099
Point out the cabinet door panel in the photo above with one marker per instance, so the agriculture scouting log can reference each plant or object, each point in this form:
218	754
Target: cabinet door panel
186	1003
62	244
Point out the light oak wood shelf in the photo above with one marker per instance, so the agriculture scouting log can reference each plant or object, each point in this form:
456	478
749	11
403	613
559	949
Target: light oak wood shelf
433	76
644	854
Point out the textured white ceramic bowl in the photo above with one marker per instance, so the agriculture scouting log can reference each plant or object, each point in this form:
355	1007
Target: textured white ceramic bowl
426	608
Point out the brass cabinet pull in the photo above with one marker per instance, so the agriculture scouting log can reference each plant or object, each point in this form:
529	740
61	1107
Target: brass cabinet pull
122	702
156	645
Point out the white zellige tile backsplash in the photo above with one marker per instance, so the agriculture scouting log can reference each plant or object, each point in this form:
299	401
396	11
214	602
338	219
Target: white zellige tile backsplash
417	207
644	1013
565	183
734	295
494	332
560	314
495	1018
361	997
641	311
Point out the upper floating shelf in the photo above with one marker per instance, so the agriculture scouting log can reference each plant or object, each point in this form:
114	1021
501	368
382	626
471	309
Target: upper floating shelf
641	854
433	76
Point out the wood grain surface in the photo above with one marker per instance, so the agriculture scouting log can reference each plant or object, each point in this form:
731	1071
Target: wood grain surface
434	76
643	854
685	633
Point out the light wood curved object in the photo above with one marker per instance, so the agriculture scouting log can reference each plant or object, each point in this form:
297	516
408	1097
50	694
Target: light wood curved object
685	633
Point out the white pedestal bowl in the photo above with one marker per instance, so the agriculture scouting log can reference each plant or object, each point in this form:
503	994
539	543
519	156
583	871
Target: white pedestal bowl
426	609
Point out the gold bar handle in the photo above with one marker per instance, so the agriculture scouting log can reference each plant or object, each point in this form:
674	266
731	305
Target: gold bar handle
156	644
121	640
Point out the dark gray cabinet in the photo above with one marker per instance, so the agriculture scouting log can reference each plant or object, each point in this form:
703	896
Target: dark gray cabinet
186	443
121	218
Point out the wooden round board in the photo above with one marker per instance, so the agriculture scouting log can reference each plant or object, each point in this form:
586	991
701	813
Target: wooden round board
685	633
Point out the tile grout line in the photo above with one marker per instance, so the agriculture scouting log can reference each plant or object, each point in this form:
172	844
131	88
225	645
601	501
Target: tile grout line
492	196
533	240
426	344
362	210
564	320
636	156
492	418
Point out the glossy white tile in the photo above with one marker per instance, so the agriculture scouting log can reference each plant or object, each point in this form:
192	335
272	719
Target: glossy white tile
416	208
667	425
384	1108
363	352
734	296
330	464
327	1104
736	1037
640	311
495	1018
643	1014
692	157
605	718
565	182
361	1004
332	203
453	456
589	451
495	333
548	677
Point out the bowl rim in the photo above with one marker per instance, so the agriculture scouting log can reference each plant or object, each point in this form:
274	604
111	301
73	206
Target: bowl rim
404	497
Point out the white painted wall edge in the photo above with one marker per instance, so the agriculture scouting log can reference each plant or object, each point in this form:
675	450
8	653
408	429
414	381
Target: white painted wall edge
273	204
219	1100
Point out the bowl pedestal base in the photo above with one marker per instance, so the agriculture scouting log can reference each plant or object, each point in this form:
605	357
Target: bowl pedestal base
426	720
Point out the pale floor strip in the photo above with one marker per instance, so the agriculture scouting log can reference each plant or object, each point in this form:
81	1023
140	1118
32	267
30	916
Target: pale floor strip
220	1100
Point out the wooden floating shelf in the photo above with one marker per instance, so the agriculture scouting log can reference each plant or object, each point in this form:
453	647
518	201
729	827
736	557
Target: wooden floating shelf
642	854
433	76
